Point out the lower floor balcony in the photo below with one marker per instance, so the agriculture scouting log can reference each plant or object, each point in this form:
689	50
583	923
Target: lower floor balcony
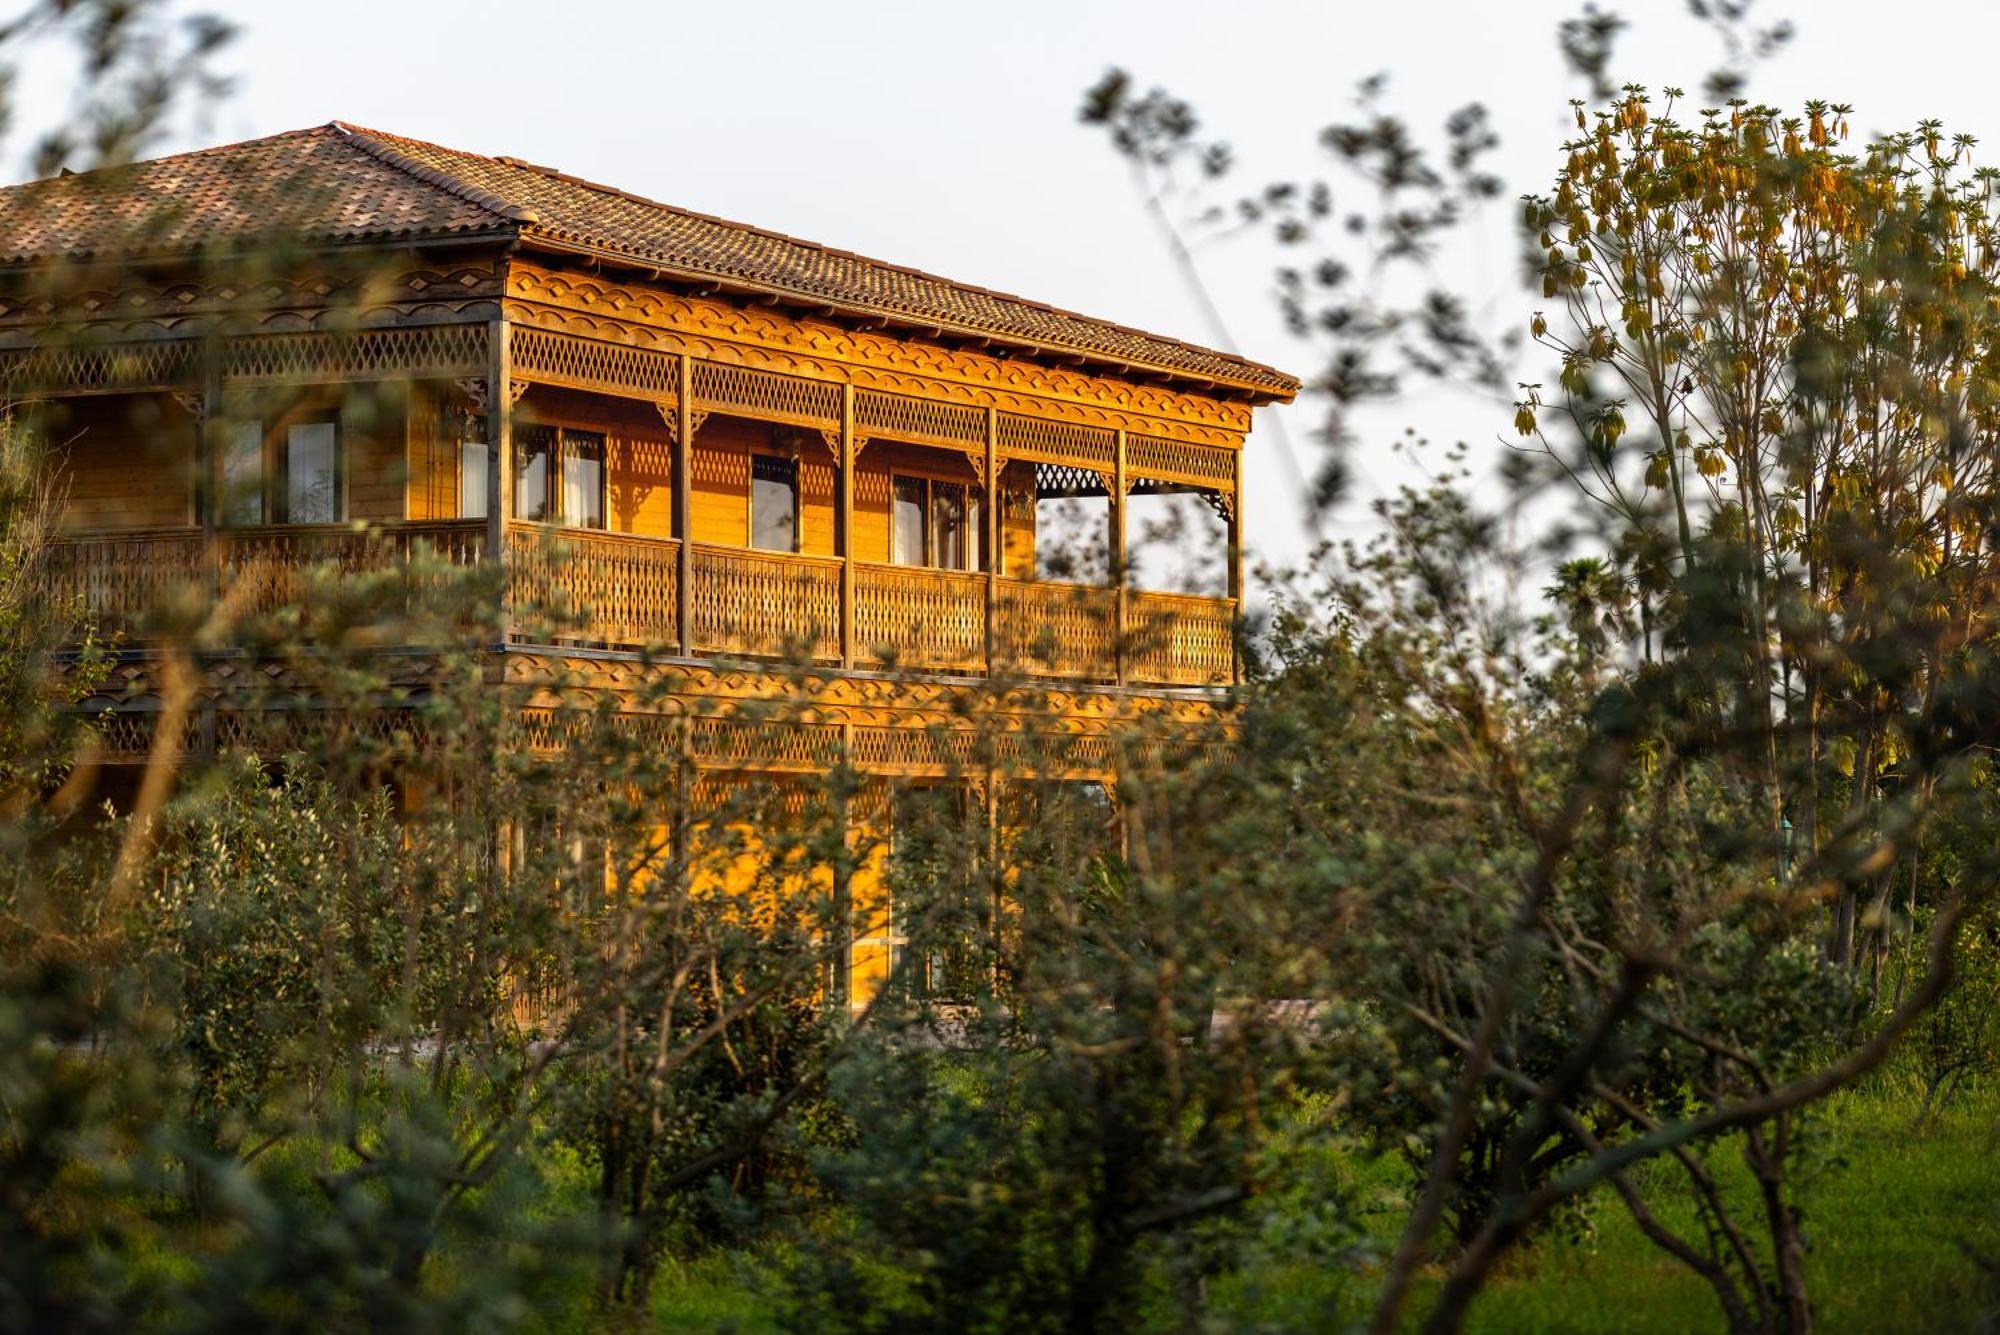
621	591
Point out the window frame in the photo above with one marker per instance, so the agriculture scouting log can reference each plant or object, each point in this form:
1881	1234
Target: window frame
271	489
790	463
971	502
278	468
555	476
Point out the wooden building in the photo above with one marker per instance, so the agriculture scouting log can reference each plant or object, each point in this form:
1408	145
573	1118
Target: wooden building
332	343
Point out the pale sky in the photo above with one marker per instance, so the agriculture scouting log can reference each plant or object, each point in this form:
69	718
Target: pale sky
944	136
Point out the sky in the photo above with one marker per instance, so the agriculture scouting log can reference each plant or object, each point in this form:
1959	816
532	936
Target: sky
945	135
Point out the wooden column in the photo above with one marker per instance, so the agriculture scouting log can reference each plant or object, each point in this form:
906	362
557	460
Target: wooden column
994	560
1118	573
846	484
211	440
684	506
1236	558
499	453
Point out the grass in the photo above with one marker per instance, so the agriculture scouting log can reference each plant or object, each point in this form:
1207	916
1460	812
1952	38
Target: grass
1885	1208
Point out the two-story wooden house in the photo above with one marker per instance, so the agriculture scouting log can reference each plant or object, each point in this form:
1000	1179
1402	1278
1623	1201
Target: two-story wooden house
750	446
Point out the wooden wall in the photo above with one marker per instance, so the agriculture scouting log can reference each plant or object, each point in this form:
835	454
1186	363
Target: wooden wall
127	460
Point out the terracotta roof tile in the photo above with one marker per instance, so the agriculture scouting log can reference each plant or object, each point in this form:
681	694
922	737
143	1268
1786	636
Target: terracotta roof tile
342	182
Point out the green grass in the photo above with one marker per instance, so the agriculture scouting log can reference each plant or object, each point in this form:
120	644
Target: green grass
1883	1206
1884	1209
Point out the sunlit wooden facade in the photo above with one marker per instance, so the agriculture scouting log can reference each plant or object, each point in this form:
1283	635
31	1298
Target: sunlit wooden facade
723	450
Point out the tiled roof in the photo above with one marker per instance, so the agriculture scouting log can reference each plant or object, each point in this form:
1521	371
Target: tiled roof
340	182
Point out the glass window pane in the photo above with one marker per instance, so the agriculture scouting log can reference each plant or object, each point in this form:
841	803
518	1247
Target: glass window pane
906	527
469	431
472	475
975	524
774	504
243	474
583	479
948	543
312	477
531	471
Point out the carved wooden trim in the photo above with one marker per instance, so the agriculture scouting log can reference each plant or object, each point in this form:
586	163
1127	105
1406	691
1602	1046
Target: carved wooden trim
546	357
429	352
871	360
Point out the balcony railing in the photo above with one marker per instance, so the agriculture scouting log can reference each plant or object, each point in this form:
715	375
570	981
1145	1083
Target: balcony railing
623	591
930	619
118	581
765	603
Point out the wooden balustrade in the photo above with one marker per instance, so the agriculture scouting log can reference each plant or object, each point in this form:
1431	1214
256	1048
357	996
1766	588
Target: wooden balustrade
1178	639
264	567
769	604
917	618
1057	630
116	581
600	588
120	579
621	590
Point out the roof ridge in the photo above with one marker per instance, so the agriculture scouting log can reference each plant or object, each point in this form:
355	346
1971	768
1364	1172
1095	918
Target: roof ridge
370	142
681	210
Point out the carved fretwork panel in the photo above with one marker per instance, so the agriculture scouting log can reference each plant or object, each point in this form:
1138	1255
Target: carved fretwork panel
432	351
1049	441
761	336
766	396
549	358
924	421
1063	480
105	368
1180	461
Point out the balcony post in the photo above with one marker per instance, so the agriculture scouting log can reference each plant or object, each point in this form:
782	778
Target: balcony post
211	432
499	454
1236	562
684	506
1118	572
845	481
992	537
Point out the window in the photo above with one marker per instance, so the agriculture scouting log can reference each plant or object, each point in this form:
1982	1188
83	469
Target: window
472	456
909	529
583	479
934	524
559	476
243	474
309	463
532	447
293	478
774	503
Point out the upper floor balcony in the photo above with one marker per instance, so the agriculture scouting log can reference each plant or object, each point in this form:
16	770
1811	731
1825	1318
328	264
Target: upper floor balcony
582	588
744	517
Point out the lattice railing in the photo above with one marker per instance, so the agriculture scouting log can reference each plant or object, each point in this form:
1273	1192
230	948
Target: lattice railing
1181	461
361	354
1057	630
1175	639
101	368
1049	441
550	358
920	618
765	395
767	604
266	568
599	588
925	421
763	744
115	582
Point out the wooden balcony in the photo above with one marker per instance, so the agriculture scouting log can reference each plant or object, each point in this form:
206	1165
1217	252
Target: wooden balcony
120	581
582	587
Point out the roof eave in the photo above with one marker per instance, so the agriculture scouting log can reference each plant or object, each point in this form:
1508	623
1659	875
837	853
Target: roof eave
1256	391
